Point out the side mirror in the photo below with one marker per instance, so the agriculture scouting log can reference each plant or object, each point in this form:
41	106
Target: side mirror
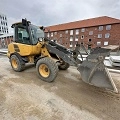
42	28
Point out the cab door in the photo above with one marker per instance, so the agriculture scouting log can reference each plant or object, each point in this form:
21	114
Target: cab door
23	43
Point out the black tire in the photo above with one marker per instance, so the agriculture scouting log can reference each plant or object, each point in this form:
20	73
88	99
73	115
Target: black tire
47	69
64	66
16	64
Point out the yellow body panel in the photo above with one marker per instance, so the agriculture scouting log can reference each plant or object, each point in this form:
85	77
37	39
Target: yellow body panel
23	49
27	50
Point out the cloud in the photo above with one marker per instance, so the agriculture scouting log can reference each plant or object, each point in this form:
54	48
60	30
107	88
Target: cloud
11	20
52	12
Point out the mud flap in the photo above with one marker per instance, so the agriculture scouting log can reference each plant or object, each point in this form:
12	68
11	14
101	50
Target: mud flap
94	72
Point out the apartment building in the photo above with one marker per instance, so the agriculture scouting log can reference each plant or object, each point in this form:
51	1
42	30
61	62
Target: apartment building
5	40
3	24
94	32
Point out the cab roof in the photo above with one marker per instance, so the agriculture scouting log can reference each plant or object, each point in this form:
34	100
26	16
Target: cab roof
17	23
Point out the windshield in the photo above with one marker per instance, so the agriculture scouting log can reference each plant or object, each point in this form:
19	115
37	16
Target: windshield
36	33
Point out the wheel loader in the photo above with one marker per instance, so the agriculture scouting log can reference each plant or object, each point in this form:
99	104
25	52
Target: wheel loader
31	46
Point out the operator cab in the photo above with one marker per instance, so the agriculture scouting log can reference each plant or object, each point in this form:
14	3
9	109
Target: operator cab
26	33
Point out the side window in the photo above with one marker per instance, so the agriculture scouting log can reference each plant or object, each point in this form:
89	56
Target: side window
23	36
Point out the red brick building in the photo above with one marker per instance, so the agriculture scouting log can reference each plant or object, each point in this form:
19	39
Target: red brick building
5	40
94	32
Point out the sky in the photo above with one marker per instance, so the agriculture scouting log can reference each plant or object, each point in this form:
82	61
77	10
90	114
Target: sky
51	12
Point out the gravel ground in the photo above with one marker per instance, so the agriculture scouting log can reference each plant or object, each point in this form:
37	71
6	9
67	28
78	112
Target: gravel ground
23	96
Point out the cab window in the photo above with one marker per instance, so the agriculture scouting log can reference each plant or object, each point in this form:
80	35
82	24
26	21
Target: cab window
23	36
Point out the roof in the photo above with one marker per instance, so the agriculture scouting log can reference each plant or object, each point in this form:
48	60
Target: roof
84	23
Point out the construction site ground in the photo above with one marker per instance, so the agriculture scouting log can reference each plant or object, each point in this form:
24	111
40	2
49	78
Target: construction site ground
23	96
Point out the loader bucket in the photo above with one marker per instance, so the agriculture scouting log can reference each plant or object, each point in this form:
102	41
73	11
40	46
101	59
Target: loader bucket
94	72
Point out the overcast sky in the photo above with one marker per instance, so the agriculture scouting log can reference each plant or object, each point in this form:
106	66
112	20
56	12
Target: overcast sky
51	12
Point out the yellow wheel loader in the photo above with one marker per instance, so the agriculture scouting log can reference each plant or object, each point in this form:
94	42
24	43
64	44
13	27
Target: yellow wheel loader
31	46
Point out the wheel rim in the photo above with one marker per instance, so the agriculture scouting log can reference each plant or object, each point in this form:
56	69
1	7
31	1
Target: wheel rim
14	63
44	70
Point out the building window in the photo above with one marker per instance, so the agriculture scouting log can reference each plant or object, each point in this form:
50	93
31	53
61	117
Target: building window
99	35
71	38
48	35
108	27
76	38
106	43
55	33
71	44
66	32
60	35
71	32
90	32
52	34
100	28
107	35
98	43
77	31
83	30
82	36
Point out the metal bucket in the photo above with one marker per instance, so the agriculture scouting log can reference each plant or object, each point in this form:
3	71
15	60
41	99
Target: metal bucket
94	72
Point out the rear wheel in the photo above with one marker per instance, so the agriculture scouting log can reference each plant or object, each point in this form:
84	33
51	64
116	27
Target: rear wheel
47	69
63	66
16	63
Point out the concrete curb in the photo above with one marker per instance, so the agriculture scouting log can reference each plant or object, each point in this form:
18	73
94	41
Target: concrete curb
3	52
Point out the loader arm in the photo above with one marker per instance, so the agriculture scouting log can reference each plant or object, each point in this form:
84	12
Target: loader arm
66	57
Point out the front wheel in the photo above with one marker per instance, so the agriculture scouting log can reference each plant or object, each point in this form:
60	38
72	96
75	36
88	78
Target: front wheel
47	69
16	64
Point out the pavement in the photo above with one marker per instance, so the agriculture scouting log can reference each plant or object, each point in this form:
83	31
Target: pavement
3	51
23	96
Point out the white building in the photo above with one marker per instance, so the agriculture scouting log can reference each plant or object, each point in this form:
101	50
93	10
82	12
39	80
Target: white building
3	24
